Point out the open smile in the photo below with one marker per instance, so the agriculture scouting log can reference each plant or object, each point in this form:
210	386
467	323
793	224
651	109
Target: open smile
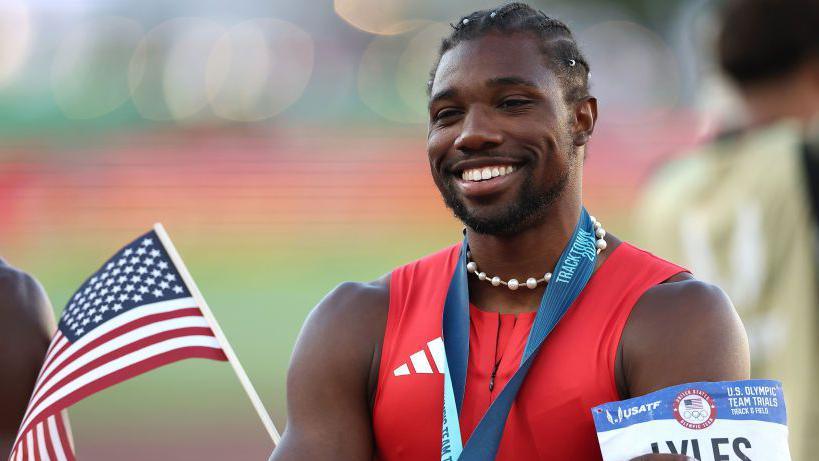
485	180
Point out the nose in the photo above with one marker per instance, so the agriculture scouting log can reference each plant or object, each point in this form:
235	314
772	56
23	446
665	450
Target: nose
477	132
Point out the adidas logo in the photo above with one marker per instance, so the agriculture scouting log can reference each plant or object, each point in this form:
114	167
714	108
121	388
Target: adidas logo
420	362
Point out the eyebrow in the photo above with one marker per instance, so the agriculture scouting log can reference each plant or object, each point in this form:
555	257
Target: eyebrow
492	82
443	94
511	81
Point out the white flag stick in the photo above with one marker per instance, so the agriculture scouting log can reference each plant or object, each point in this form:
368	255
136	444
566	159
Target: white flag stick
217	331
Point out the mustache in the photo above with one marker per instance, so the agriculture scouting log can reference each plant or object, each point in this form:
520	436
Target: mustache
449	163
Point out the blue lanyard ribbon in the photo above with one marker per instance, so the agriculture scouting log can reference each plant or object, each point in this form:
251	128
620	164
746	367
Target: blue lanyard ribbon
572	272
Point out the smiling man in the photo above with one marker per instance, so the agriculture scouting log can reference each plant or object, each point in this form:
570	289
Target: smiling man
504	342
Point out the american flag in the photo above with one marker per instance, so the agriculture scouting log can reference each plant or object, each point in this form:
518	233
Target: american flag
133	315
693	404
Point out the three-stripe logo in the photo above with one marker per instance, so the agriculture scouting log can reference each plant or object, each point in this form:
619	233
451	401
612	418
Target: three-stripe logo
420	362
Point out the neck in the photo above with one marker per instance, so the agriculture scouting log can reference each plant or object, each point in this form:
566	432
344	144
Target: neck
530	253
792	97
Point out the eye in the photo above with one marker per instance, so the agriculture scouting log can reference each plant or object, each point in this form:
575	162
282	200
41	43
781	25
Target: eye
444	114
514	103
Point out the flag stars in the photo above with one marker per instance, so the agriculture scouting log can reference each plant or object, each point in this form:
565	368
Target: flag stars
85	322
147	241
121	261
170	277
104	309
150	281
162	265
141	251
154	253
156	273
128	251
109	299
98	319
116	271
134	260
136	279
157	292
164	285
128	269
143	289
109	266
177	289
137	298
142	270
122	279
129	288
148	261
117	307
80	331
123	297
116	289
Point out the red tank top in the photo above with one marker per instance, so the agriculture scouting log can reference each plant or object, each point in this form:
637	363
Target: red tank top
574	370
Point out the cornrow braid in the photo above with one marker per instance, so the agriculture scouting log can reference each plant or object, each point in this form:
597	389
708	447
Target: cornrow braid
557	42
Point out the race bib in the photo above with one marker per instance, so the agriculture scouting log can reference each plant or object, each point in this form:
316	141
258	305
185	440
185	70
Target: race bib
723	421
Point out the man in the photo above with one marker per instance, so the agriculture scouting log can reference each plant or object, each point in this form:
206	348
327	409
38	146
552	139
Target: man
510	116
742	204
26	323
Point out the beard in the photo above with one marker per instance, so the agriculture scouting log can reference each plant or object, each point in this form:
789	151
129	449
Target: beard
528	208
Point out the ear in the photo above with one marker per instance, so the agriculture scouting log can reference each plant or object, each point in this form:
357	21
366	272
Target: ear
585	116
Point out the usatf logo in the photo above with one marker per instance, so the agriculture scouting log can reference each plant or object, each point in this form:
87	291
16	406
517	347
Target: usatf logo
695	409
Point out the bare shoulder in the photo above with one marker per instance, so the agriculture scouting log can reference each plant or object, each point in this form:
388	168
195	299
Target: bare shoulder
332	375
683	330
23	300
353	312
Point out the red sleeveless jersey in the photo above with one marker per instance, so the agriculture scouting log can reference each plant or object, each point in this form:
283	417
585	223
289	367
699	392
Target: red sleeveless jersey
574	370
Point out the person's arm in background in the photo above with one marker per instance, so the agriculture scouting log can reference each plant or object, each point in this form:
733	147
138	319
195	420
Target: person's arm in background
26	326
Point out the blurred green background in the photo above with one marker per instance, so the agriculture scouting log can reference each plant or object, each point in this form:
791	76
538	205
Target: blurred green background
282	145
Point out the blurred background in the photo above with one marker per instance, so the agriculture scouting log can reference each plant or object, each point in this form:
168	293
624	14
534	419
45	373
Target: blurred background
282	144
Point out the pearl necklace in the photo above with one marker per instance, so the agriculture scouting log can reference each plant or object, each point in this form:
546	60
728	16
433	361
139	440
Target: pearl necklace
531	282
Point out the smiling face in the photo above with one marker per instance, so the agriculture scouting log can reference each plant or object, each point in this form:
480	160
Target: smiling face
503	142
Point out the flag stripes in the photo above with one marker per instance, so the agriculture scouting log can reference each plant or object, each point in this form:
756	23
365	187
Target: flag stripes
137	341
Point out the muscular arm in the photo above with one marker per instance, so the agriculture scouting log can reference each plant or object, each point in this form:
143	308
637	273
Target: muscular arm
26	324
331	375
682	331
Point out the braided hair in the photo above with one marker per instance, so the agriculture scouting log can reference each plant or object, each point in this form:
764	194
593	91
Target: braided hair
556	40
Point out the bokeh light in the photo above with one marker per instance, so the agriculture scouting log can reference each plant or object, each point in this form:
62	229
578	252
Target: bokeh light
381	17
167	73
15	38
90	72
642	84
258	68
394	71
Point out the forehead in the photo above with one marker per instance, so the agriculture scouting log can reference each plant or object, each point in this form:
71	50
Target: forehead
473	62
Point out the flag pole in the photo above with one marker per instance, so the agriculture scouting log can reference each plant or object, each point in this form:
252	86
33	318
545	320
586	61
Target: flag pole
217	331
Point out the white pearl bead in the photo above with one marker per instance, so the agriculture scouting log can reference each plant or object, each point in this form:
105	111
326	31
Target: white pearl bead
600	233
471	266
513	284
601	244
481	275
547	277
531	283
496	281
466	21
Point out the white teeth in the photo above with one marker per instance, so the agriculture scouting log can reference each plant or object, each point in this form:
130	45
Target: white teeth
480	174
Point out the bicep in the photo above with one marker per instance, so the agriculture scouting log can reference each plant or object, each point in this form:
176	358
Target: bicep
328	411
26	323
684	333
